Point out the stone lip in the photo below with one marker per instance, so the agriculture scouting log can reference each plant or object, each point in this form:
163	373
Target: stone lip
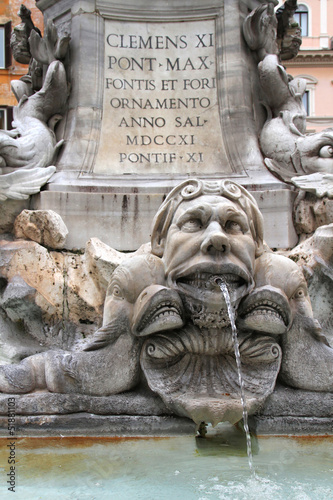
294	412
285	401
287	411
83	425
136	414
47	403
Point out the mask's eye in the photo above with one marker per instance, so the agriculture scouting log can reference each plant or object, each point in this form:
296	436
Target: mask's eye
117	293
233	227
300	293
326	152
191	225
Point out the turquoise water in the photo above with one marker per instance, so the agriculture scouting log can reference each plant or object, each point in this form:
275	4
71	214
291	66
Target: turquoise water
170	468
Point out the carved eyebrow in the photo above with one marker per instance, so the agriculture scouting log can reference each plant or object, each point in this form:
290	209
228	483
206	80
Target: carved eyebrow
202	212
235	214
117	279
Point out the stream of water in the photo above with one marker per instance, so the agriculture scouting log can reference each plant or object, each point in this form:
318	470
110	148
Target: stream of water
225	291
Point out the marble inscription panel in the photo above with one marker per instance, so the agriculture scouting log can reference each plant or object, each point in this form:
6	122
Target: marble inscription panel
160	108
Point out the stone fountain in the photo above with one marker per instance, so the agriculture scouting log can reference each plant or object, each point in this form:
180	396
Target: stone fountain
182	119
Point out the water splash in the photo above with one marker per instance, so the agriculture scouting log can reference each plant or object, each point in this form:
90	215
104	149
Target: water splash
225	291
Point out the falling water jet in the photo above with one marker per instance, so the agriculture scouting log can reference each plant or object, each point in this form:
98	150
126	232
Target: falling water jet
224	289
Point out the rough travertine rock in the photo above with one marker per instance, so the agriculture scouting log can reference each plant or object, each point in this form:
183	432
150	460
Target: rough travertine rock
50	298
311	213
42	226
51	295
101	260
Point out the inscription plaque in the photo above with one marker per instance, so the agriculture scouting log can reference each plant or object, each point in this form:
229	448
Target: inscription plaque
160	104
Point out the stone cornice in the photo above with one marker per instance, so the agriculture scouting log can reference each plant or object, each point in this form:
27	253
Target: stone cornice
312	58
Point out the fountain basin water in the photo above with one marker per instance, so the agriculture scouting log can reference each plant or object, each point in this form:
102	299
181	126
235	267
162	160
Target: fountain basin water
178	467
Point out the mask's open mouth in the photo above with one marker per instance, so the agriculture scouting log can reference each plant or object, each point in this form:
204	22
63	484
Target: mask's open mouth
211	282
204	286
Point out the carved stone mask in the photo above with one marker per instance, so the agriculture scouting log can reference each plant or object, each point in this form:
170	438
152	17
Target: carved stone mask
206	233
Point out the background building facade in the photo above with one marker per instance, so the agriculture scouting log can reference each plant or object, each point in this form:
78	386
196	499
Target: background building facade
9	68
314	61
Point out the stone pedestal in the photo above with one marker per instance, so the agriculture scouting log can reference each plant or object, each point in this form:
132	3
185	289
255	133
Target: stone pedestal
160	92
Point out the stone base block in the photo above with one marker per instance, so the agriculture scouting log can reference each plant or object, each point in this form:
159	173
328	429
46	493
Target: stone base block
120	213
120	220
291	411
291	425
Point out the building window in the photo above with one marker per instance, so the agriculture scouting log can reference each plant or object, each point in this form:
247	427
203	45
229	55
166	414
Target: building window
3	119
309	94
6	118
2	47
301	16
306	102
5	52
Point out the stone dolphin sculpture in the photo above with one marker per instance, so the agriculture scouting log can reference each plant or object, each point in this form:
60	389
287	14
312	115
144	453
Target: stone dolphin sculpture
136	305
280	305
268	307
289	151
32	142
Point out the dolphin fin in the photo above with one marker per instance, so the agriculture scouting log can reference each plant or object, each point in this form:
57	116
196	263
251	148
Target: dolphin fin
103	337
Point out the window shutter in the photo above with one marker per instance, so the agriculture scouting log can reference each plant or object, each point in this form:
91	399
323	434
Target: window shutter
9	117
8	52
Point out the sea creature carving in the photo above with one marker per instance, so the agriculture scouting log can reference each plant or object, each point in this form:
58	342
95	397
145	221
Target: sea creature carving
53	47
109	363
287	149
259	30
32	145
19	41
280	305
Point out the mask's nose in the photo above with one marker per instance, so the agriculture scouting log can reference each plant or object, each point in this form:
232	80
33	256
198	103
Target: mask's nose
215	240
